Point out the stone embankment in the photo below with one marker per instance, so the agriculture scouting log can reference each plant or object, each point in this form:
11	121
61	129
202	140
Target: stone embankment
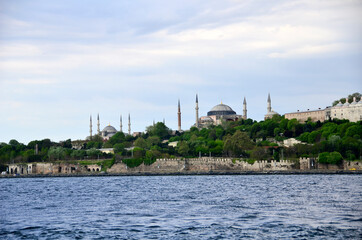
185	166
204	165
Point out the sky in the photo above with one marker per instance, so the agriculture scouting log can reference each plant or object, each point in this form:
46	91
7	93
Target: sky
62	61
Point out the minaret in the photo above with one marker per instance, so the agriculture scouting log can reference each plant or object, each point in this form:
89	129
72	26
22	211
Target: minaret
98	124
197	112
244	109
90	126
120	123
129	124
164	123
269	104
179	116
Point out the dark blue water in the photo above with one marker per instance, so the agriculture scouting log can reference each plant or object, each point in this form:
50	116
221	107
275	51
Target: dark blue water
183	207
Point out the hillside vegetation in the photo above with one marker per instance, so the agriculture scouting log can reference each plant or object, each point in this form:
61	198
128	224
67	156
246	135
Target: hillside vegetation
244	138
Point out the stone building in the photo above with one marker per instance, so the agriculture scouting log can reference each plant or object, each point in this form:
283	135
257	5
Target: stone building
217	114
109	131
349	111
314	115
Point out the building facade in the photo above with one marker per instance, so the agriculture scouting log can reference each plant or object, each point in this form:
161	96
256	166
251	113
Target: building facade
218	114
349	111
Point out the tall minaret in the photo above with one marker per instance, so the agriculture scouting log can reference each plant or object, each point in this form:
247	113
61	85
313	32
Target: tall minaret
244	109
90	126
120	123
179	116
197	111
129	124
98	124
269	104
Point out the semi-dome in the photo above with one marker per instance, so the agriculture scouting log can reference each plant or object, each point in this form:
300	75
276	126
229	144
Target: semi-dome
221	109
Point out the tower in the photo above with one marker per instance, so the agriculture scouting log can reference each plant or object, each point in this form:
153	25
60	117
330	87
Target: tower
98	124
129	124
90	126
244	109
120	123
197	111
269	104
179	116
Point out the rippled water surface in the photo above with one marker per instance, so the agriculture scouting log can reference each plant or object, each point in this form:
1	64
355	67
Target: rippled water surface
183	207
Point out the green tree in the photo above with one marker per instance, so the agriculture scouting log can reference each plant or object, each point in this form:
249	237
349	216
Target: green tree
141	143
259	153
331	158
119	148
183	148
159	129
236	144
350	98
119	137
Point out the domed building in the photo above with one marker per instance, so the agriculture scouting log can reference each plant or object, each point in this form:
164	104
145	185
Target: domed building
108	132
217	114
221	110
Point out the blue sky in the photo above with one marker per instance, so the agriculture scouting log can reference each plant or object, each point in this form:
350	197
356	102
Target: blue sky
61	61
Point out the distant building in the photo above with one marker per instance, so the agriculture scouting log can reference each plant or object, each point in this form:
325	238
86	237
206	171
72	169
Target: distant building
349	111
270	112
109	131
314	115
217	114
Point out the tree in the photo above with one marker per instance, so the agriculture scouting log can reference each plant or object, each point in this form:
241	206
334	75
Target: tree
350	98
66	144
119	137
138	152
140	142
259	153
183	148
159	129
119	148
93	152
236	144
331	158
153	140
56	153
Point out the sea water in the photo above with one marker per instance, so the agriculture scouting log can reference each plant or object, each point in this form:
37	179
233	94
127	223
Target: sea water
182	207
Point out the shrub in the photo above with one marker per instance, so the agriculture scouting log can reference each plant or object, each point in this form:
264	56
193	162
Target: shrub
332	158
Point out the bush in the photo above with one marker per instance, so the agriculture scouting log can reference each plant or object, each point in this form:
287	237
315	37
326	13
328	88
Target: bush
332	158
133	162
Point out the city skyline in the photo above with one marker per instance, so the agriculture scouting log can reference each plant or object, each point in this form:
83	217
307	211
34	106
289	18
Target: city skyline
63	61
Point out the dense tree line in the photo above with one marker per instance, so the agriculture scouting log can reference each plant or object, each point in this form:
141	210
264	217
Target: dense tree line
244	138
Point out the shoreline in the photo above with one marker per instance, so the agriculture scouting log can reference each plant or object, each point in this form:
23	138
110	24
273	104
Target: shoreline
324	172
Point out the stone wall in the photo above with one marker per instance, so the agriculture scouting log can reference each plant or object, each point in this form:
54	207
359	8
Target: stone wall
184	165
203	165
50	168
352	165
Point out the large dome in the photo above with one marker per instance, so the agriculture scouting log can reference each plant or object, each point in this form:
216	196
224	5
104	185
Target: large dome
108	132
109	129
221	109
